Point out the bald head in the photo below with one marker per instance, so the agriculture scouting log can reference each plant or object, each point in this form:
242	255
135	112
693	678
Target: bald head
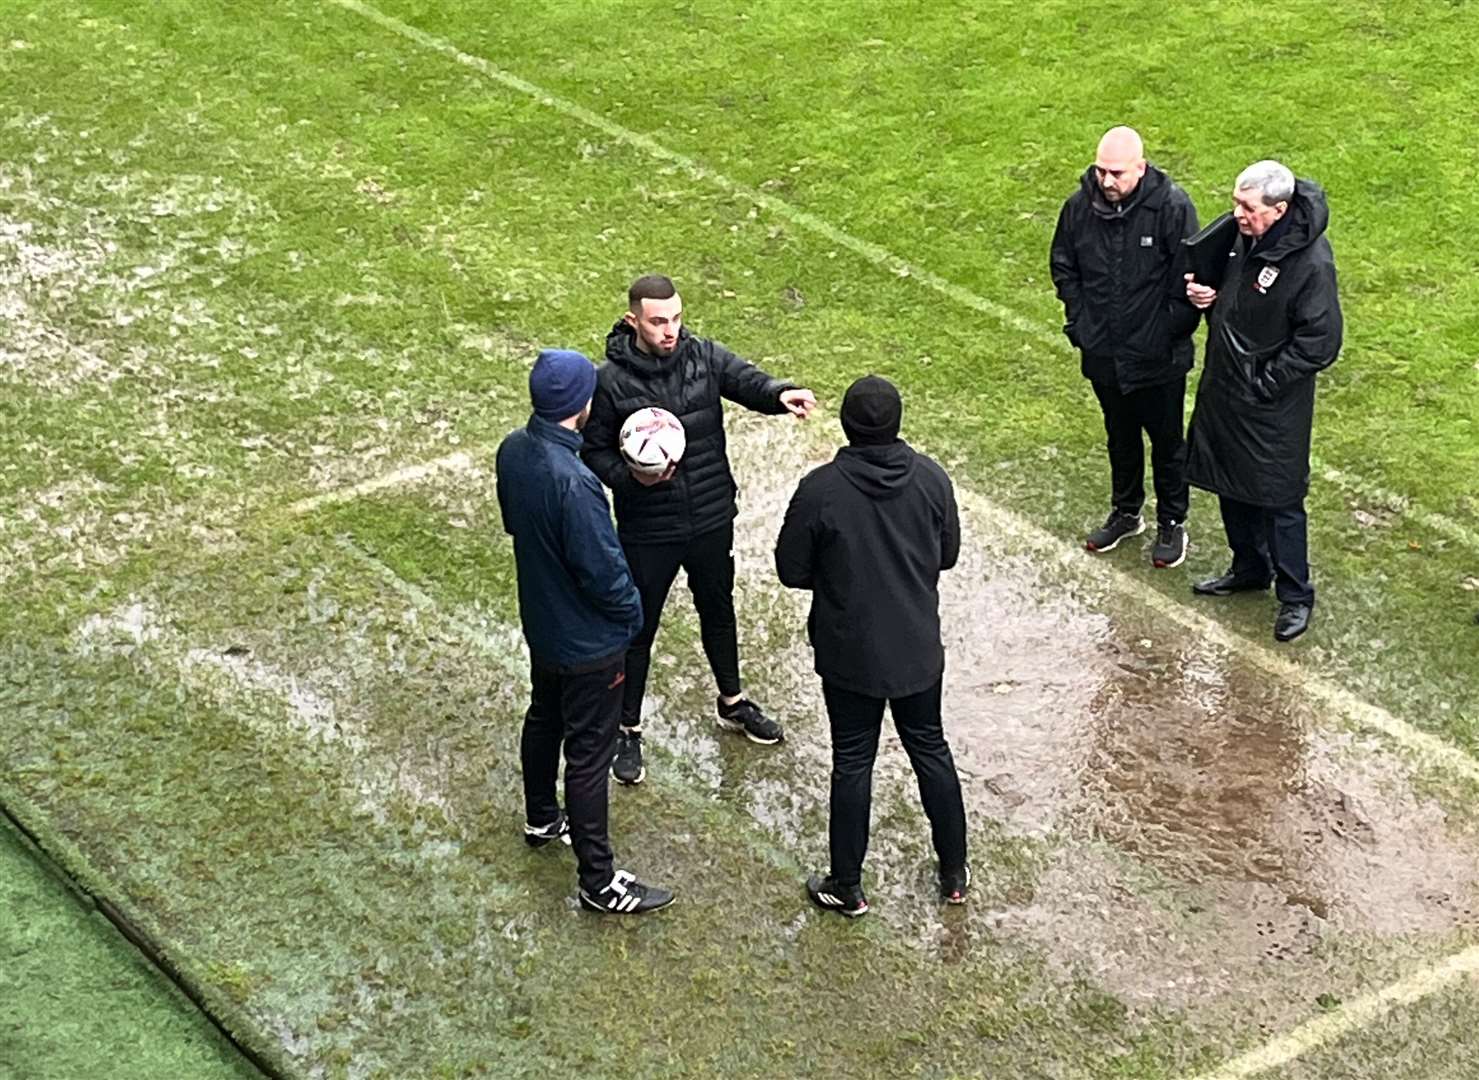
1119	163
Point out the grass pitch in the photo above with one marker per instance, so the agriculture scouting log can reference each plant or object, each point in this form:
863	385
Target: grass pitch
252	257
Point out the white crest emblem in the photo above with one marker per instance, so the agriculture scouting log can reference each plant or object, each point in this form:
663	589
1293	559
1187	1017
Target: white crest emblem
1266	277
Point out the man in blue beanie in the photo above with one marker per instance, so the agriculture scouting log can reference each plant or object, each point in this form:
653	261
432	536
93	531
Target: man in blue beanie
580	611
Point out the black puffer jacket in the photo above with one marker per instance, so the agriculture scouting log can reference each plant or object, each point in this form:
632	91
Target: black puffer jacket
1117	269
868	534
689	384
1275	323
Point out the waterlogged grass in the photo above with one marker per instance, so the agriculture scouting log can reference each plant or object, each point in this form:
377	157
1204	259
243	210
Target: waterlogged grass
261	257
383	909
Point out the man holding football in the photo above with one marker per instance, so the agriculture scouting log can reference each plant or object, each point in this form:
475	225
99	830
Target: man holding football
684	516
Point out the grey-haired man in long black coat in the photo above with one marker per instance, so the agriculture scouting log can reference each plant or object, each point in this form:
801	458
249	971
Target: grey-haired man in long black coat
1273	326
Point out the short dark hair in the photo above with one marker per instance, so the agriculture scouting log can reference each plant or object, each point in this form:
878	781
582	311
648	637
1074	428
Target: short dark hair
650	287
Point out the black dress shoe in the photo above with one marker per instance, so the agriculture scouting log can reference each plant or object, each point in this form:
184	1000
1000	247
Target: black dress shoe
1228	584
1292	620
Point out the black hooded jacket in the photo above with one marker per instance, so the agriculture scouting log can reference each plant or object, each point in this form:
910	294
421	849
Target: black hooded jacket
868	534
689	384
1117	269
1276	322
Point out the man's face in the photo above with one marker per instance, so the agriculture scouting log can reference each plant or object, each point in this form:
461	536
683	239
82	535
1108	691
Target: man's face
657	325
585	414
1118	173
1253	216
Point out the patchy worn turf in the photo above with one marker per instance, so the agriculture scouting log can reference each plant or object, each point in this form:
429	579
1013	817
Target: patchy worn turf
247	262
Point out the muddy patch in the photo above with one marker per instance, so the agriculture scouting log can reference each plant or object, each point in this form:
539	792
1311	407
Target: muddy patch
1202	823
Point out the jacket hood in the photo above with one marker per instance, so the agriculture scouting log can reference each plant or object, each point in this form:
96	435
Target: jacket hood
879	472
1151	191
621	349
1309	214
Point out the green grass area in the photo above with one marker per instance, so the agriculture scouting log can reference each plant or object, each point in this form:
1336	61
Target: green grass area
81	1002
251	256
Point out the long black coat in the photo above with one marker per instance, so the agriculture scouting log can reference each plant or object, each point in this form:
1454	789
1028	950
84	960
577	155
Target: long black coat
868	534
689	384
1276	322
1117	269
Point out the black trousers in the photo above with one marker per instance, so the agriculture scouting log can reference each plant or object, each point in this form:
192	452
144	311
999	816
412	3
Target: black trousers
1270	542
1156	411
856	721
709	561
579	712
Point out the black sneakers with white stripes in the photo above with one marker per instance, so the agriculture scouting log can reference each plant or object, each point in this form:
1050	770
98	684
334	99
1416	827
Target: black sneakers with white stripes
625	895
844	899
539	835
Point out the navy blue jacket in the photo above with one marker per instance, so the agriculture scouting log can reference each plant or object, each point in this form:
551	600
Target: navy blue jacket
577	601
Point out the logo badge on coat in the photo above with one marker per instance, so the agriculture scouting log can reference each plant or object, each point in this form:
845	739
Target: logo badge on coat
1266	277
1147	241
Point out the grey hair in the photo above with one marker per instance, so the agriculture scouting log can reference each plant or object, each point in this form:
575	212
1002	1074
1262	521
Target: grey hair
1271	179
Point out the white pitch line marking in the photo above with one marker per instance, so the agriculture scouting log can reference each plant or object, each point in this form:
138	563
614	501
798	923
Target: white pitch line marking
1430	749
458	462
506	651
873	253
1349	1017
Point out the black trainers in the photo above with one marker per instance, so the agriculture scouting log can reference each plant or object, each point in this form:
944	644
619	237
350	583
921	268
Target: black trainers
625	895
844	899
744	715
1115	528
1170	545
539	835
627	767
954	884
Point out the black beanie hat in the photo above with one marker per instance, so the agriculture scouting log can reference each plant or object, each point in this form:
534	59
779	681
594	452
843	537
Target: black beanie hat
871	411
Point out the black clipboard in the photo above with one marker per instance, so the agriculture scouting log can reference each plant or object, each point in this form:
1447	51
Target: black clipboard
1208	252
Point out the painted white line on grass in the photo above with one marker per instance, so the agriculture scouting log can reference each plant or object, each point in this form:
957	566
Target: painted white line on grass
1380	497
506	649
458	462
1350	1017
699	171
1429	749
993	519
873	253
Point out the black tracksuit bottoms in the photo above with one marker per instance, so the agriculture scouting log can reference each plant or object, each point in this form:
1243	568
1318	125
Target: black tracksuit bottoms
709	561
580	712
856	721
1158	411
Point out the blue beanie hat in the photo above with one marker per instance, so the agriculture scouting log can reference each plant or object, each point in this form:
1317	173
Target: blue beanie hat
561	383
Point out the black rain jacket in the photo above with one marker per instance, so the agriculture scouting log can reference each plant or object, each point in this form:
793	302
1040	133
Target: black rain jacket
1276	322
868	534
689	384
1117	269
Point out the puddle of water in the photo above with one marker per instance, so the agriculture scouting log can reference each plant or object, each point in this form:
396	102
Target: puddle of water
1204	820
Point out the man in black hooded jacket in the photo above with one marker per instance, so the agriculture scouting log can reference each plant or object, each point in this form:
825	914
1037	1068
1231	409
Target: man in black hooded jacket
869	534
1273	326
1115	262
685	517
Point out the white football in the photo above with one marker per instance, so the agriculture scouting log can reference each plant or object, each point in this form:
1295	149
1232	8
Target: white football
651	440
